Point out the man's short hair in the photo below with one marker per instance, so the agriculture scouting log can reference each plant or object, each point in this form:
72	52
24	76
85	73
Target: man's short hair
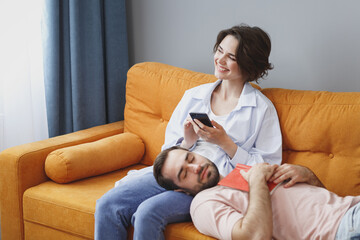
158	165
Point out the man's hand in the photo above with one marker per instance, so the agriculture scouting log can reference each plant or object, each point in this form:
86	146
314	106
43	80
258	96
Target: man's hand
260	171
295	174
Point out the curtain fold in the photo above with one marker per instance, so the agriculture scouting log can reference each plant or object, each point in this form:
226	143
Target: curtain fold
85	63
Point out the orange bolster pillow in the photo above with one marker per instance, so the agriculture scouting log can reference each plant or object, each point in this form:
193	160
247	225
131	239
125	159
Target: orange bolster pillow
90	159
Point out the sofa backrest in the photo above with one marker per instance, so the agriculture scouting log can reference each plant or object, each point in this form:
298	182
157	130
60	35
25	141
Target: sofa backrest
152	92
320	130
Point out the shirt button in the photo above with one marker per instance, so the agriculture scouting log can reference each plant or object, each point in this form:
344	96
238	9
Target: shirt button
331	155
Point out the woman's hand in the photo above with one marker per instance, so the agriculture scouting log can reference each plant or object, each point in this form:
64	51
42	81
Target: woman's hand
216	135
190	137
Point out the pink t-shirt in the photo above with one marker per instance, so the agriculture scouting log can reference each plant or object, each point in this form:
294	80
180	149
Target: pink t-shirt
299	212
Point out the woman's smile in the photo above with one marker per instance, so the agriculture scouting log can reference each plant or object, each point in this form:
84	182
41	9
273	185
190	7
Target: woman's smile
221	68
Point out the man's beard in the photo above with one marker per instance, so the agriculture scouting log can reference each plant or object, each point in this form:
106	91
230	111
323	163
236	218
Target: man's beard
213	176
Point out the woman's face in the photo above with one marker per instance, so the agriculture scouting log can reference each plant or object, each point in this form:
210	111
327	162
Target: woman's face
226	67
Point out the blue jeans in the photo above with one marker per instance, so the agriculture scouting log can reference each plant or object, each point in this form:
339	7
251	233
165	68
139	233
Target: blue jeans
139	201
349	227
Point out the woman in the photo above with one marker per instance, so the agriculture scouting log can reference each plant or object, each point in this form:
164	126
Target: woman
245	130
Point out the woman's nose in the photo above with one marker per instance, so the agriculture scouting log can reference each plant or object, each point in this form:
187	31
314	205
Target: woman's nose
221	59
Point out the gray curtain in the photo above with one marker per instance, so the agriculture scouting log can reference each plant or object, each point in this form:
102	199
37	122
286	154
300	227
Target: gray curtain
85	63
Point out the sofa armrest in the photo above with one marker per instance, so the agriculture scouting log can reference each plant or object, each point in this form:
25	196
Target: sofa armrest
22	167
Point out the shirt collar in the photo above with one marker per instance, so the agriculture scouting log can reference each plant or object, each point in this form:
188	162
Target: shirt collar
247	97
205	92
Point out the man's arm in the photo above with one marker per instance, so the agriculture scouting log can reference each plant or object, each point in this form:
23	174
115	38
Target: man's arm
257	223
295	174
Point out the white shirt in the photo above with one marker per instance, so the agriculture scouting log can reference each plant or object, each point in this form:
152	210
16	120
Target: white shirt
253	125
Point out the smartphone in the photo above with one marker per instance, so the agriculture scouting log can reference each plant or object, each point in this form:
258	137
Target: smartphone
202	117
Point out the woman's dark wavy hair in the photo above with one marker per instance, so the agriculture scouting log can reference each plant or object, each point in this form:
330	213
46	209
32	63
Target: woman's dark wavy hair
253	52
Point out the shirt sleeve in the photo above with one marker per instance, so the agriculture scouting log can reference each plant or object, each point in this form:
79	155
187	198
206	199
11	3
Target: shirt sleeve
175	128
268	143
213	217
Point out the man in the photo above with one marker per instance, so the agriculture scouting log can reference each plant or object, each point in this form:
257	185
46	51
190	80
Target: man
303	211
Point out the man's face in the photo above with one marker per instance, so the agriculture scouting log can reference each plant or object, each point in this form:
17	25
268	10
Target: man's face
190	171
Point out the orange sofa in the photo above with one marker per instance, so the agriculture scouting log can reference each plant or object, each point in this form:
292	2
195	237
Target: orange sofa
49	188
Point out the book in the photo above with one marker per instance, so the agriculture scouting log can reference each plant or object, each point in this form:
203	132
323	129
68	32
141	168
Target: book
235	180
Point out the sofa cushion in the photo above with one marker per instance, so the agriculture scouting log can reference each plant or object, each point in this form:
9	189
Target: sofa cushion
66	211
90	159
69	208
321	131
152	92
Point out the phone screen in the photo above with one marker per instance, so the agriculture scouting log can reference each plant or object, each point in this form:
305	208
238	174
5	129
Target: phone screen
202	117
